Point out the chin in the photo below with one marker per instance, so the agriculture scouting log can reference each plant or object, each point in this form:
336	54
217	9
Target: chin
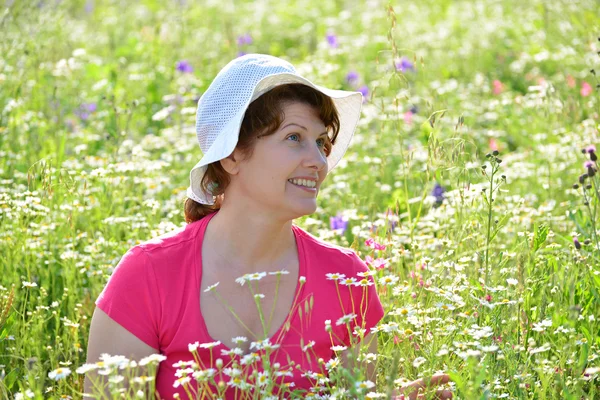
300	211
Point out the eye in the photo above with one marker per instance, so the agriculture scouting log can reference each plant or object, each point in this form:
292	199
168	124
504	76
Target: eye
293	134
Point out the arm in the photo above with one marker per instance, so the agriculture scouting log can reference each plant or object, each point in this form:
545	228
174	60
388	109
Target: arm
410	391
371	371
107	336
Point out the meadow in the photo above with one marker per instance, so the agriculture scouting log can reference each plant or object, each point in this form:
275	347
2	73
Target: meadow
471	186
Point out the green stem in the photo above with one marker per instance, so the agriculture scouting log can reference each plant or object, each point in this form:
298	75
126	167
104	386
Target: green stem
275	300
234	314
489	227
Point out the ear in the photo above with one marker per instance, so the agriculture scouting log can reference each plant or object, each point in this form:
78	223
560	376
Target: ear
231	163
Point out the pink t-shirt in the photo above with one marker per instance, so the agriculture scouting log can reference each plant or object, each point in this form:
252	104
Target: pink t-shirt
154	293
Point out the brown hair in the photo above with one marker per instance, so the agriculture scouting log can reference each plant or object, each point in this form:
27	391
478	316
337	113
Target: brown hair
262	118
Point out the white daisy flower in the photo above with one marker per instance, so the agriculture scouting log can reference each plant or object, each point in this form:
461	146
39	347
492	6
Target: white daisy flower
282	272
59	373
210	345
417	362
335	276
86	367
348	281
308	346
211	287
239	339
361	385
153	358
345	319
182	381
338	348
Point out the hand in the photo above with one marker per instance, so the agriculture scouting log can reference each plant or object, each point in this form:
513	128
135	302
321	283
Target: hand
411	390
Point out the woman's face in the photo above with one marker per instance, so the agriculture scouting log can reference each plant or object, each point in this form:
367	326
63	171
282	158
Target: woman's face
276	174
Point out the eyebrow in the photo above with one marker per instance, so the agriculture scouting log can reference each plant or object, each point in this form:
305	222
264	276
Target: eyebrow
292	123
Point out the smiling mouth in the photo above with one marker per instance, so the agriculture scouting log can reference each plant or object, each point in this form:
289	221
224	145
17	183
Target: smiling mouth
303	183
308	189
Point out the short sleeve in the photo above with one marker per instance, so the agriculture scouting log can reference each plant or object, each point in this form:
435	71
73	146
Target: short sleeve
365	302
131	299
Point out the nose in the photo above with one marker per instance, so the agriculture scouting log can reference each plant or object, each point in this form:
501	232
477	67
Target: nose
316	158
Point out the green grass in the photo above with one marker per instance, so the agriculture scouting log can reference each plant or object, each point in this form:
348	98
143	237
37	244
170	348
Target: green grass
77	191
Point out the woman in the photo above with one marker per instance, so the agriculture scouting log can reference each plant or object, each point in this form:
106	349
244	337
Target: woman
259	301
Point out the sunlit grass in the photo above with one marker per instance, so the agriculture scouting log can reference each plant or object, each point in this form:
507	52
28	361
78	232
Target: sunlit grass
97	104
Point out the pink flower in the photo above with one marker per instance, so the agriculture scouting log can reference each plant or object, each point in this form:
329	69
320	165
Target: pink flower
571	81
374	245
408	117
586	89
498	87
493	144
380	263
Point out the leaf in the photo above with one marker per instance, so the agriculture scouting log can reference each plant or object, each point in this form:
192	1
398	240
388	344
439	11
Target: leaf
540	237
583	356
11	378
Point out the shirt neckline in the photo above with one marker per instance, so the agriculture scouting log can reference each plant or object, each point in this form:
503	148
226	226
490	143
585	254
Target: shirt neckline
279	334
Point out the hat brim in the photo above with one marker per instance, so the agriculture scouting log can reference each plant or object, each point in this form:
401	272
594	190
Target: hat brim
347	103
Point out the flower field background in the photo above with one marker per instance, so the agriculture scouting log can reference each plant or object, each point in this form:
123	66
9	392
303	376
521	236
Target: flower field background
470	187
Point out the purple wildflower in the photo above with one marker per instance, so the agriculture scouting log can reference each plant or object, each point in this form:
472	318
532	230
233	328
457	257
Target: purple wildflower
338	223
391	222
404	64
438	193
352	77
576	243
591	149
89	6
588	164
332	40
184	66
85	110
364	89
244	39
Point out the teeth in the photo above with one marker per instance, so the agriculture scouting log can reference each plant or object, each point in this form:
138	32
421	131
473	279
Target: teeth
303	182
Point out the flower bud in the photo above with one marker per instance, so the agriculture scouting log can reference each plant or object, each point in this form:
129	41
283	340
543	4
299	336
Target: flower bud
582	178
590	171
576	243
575	186
495	152
593	156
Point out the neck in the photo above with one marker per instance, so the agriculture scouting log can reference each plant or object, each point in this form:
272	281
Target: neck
249	241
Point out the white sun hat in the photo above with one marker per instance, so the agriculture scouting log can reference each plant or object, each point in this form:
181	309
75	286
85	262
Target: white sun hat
222	107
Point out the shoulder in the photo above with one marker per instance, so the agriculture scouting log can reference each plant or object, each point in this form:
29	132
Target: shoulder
331	257
161	254
174	240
